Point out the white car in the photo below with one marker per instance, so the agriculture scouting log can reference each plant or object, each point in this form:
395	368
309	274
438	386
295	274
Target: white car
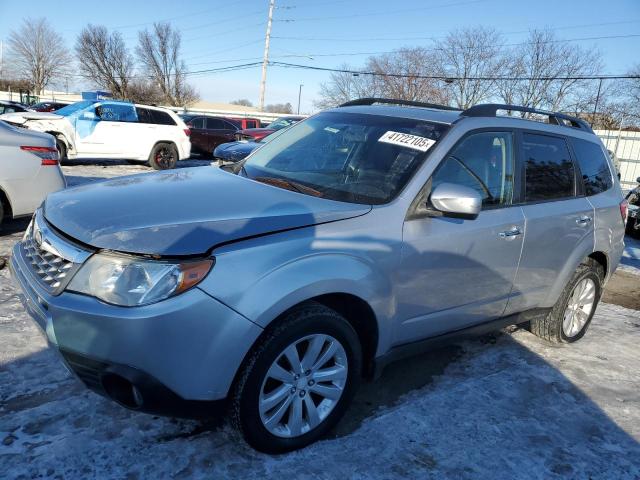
29	170
112	129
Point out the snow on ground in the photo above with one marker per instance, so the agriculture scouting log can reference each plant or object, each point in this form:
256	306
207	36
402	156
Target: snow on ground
505	406
630	261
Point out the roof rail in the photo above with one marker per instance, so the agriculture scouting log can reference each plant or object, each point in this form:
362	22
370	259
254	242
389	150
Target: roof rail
555	118
391	101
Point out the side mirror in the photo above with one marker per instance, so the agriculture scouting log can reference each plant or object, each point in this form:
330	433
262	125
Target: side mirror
638	179
456	200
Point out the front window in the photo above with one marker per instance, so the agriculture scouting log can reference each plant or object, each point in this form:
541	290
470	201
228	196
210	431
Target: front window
345	156
484	162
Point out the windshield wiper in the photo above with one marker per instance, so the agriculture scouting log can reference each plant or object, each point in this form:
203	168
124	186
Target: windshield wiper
289	185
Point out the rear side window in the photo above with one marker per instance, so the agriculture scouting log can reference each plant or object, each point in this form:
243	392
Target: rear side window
161	118
596	174
215	124
197	122
549	171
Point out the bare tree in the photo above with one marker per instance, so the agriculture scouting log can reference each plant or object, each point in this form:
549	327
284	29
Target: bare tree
105	60
404	75
243	102
159	53
538	71
279	108
342	87
142	90
38	53
466	55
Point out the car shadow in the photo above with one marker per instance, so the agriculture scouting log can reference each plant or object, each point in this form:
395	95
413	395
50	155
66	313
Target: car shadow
489	407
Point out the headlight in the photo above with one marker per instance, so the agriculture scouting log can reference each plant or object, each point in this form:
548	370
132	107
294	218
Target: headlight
132	281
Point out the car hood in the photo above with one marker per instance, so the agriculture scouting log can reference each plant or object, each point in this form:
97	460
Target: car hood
233	149
184	212
22	117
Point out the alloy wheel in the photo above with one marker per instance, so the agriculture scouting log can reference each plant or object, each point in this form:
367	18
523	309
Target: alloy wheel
579	307
303	385
164	157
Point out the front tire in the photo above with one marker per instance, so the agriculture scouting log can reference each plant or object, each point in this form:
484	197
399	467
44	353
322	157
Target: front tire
570	317
164	156
298	381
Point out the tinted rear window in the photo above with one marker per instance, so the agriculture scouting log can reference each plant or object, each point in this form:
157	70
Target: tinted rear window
161	118
549	171
594	168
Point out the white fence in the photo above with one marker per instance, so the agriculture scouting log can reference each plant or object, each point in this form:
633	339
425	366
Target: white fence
626	147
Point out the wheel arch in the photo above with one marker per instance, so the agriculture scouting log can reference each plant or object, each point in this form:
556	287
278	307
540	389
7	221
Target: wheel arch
602	259
6	204
583	250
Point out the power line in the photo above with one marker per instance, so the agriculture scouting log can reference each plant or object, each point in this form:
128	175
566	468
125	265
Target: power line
373	39
454	78
435	49
387	12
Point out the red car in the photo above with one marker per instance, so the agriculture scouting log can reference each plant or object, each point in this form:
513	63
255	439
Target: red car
255	134
244	123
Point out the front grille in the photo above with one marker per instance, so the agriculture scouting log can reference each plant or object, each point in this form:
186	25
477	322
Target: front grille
51	269
52	260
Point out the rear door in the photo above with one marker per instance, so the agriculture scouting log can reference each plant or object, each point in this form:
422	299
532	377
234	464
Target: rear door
558	220
459	272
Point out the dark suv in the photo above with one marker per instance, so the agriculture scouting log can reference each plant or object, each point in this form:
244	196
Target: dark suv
209	132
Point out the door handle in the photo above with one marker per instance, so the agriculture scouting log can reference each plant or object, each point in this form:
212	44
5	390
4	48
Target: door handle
511	233
583	220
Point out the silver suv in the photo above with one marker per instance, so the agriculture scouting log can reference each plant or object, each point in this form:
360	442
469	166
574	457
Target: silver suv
361	235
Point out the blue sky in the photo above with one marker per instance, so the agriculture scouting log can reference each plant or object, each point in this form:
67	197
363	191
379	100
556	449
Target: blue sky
328	33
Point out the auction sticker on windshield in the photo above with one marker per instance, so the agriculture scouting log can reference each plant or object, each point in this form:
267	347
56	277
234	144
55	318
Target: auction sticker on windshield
407	140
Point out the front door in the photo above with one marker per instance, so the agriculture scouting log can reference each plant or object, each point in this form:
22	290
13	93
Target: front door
109	129
459	272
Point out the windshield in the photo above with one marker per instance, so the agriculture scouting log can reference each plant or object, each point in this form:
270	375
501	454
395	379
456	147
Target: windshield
73	108
345	156
281	123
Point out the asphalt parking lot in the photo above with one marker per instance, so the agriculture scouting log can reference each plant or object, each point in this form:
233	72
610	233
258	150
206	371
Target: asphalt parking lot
506	406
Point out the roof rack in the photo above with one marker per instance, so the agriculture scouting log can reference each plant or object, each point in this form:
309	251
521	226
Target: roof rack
391	101
555	118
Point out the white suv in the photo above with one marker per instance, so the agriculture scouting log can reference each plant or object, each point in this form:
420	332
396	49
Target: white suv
112	129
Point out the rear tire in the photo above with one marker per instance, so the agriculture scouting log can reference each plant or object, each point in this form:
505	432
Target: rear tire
62	151
164	156
307	395
569	318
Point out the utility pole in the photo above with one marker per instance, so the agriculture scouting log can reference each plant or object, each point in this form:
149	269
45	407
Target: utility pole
299	95
265	60
595	107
